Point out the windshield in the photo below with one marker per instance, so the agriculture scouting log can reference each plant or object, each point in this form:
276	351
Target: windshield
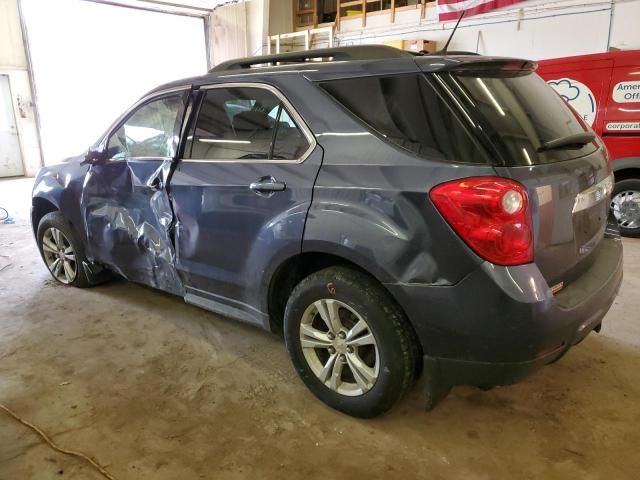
519	114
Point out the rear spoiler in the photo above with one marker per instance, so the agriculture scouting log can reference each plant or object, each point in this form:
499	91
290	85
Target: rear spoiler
489	66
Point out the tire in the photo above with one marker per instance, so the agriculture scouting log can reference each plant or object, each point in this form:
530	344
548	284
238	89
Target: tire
48	240
391	359
627	188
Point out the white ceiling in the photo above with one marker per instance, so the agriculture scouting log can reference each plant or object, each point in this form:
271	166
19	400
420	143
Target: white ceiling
190	7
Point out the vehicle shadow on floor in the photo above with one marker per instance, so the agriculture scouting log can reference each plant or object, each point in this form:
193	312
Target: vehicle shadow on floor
599	372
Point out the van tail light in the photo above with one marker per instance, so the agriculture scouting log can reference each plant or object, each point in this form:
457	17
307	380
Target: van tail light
491	214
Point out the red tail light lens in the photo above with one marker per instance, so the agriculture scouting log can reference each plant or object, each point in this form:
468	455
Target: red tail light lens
491	214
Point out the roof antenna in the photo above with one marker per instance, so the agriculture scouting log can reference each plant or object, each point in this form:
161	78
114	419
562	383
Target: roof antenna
446	45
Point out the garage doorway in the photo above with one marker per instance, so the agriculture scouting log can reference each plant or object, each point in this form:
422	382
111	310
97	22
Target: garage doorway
10	153
96	59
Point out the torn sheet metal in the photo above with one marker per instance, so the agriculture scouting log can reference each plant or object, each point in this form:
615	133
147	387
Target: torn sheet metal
128	217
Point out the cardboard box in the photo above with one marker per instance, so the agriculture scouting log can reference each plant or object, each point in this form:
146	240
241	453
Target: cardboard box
413	45
394	43
420	45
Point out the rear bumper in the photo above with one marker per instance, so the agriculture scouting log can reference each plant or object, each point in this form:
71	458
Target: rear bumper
501	324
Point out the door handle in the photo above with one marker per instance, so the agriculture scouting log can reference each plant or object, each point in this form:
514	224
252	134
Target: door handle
267	185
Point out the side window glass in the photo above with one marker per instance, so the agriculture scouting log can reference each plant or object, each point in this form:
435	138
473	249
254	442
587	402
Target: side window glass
408	112
149	132
290	143
241	123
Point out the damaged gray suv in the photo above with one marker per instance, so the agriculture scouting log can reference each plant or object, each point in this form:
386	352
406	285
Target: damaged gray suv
390	214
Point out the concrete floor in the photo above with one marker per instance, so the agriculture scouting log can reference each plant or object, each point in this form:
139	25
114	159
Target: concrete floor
157	389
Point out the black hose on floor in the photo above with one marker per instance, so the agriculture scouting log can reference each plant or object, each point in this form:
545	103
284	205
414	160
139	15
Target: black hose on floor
5	217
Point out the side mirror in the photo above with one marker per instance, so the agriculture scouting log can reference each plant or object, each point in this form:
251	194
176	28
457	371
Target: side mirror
94	157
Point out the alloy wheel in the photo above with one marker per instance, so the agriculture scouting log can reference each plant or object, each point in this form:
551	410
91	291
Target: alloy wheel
339	347
59	255
626	208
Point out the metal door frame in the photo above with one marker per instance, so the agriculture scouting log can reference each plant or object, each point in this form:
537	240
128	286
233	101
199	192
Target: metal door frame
13	108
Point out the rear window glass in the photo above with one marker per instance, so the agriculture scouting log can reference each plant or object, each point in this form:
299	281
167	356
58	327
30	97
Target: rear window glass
407	111
519	113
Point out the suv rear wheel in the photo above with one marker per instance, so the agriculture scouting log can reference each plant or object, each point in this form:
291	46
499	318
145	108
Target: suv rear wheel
625	205
350	343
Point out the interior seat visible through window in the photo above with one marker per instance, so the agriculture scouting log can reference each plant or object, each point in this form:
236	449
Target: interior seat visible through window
245	123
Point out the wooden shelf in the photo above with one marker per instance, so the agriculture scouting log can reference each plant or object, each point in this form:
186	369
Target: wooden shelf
304	16
394	5
309	17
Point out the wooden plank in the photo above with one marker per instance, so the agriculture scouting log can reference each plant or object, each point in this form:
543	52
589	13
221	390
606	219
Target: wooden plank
315	13
364	13
294	4
299	33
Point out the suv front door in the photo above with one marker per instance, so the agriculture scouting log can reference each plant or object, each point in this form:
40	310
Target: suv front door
125	203
241	195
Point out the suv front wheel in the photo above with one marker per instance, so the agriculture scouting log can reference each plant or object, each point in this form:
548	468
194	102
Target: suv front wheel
61	251
350	343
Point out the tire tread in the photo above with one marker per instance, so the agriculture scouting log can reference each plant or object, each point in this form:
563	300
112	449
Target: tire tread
374	294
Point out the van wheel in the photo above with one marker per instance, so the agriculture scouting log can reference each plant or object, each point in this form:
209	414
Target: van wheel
62	253
625	205
350	343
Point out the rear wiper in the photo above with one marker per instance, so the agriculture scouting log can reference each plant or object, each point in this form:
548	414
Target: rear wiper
575	141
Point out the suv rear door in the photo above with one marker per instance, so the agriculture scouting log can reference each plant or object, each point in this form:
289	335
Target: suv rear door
241	194
517	115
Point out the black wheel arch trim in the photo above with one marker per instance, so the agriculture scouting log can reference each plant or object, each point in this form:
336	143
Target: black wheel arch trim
625	163
35	201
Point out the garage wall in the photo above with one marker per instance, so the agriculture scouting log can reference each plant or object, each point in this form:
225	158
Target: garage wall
238	30
536	29
96	60
280	17
227	37
625	31
11	48
13	63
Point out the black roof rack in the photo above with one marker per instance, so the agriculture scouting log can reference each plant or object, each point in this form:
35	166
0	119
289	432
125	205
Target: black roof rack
359	52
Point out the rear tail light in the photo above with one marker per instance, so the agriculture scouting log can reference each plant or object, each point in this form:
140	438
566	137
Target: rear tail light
491	214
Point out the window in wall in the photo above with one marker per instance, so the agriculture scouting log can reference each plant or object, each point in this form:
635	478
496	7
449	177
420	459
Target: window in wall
151	131
245	123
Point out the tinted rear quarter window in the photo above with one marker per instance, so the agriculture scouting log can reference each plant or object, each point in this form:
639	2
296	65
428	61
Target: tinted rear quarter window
289	143
407	111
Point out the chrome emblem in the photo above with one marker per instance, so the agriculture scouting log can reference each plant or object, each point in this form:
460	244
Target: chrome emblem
593	195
